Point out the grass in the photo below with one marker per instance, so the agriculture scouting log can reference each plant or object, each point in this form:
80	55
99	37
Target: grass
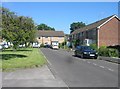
22	58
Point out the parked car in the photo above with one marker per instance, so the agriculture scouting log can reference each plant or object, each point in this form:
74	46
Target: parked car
1	47
21	45
55	47
36	45
85	52
5	46
48	46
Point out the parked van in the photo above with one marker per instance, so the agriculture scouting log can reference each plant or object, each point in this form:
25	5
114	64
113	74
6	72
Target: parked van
55	45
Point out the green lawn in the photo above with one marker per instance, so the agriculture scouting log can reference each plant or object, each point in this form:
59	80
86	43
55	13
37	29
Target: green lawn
23	58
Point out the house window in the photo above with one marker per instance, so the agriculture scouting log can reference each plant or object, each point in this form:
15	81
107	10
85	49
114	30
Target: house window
86	34
94	32
46	36
60	36
82	33
39	38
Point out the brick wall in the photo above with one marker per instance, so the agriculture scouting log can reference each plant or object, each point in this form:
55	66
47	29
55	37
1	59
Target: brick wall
108	33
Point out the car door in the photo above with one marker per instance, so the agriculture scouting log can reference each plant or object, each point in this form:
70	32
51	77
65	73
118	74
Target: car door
79	52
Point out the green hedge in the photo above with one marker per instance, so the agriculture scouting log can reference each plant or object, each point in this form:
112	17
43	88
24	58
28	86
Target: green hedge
42	45
108	52
94	46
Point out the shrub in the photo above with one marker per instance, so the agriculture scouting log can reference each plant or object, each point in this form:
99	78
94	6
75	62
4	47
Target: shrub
60	45
94	46
108	52
42	45
116	47
113	53
103	51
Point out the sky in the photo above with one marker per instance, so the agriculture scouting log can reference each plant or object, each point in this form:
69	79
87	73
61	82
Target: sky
61	14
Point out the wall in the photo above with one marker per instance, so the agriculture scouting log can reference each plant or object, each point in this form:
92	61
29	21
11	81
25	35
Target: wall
108	33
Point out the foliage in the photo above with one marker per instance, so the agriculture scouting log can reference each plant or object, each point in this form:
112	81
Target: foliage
108	52
44	27
42	45
60	45
63	44
76	42
94	46
17	29
76	25
116	47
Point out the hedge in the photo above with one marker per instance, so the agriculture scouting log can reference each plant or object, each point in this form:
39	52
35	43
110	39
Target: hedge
108	52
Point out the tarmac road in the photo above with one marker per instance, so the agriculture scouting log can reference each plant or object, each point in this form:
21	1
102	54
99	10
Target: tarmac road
77	72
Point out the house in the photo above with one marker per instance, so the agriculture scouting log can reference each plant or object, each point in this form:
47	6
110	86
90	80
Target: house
104	32
47	37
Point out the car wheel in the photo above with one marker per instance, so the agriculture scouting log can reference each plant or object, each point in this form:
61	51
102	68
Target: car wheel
82	56
75	54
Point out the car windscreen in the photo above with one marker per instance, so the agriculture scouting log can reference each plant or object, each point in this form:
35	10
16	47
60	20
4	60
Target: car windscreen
87	48
78	47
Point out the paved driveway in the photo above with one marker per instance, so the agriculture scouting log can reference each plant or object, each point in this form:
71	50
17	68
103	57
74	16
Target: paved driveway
76	72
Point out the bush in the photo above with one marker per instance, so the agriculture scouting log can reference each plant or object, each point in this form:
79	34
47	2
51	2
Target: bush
42	45
116	47
63	44
113	53
94	46
108	52
103	51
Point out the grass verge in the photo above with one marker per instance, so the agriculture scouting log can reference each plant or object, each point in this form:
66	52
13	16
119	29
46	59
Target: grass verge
23	58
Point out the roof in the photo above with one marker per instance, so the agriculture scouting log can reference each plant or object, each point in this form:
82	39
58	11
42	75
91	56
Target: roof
50	33
94	25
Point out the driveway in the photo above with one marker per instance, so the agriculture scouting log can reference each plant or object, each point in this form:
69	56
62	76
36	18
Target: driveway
77	72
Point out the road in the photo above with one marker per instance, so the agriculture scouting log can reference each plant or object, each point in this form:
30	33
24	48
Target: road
77	72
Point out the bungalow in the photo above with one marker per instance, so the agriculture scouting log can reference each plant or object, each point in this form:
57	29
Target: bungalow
104	32
47	37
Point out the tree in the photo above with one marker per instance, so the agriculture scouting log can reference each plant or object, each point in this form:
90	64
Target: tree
76	25
17	29
44	27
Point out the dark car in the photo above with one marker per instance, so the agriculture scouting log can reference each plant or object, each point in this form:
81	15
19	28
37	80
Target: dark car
48	46
86	52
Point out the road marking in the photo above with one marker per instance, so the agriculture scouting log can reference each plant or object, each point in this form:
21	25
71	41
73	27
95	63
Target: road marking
94	64
97	65
102	66
110	69
88	62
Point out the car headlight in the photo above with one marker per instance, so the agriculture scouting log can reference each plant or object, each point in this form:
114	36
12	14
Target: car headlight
85	52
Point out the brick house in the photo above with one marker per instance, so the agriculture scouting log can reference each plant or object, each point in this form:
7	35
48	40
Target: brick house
104	32
46	37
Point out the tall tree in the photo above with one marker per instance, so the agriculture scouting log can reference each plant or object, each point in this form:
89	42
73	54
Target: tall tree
76	25
17	29
44	27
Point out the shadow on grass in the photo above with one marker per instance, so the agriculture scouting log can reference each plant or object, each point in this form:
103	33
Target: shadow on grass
10	56
11	50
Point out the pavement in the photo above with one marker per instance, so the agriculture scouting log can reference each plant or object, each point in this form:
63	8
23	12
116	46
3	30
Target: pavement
77	72
36	77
